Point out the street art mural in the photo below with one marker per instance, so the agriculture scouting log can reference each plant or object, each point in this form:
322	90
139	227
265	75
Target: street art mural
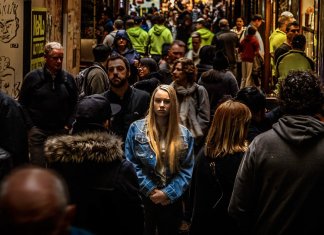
11	46
7	77
9	22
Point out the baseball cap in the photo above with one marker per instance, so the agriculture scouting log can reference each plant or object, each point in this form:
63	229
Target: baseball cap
200	20
95	108
288	14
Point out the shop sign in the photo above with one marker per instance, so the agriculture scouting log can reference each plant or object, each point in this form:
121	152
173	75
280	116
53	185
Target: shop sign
38	32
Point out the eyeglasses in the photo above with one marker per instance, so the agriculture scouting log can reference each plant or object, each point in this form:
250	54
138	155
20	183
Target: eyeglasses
141	67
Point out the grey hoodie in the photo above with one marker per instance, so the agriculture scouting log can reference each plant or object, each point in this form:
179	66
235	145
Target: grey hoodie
279	188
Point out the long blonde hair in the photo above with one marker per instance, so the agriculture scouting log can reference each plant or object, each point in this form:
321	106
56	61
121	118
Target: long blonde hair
227	134
173	139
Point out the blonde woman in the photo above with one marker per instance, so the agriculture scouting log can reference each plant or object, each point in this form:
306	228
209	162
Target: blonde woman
162	152
216	167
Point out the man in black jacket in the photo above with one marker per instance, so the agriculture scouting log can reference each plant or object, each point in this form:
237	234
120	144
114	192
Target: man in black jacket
227	41
48	96
134	102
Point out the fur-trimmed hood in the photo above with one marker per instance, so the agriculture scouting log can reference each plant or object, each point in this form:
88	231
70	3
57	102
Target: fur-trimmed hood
96	147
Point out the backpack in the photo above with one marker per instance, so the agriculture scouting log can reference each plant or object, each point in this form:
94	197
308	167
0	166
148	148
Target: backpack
82	82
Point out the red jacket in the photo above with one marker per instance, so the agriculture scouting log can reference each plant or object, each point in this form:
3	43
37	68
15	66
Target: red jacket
248	47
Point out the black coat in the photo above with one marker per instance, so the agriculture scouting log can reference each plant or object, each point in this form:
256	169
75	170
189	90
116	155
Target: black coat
48	103
102	184
210	192
134	106
149	83
218	84
13	130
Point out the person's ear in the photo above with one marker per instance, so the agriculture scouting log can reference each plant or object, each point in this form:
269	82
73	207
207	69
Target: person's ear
106	124
68	217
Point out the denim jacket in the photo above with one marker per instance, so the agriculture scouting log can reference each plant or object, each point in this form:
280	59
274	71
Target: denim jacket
139	152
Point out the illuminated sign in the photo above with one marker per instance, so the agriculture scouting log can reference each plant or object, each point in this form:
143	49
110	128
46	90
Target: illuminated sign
38	41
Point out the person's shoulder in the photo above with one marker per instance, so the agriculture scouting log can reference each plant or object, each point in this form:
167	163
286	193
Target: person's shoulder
201	89
34	74
96	69
67	75
78	231
6	100
228	74
185	131
140	93
265	138
139	124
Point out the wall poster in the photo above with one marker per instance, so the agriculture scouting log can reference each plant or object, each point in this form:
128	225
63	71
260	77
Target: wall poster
38	34
11	46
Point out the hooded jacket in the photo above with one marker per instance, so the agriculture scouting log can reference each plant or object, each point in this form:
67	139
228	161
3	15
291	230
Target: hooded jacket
101	182
130	54
157	36
279	185
206	37
138	37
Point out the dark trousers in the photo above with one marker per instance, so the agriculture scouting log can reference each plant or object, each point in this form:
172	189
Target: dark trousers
165	219
239	73
36	141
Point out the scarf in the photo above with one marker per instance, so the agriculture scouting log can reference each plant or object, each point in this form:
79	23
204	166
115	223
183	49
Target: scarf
188	112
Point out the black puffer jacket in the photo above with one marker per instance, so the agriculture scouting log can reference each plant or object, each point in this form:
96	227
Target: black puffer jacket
102	183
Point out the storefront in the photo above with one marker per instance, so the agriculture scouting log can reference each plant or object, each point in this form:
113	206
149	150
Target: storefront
308	14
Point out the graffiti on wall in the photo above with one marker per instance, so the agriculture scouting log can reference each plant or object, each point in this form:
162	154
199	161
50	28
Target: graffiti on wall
9	22
10	40
7	77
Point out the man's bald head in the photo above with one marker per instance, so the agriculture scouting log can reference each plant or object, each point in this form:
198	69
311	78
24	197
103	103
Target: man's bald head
223	24
33	200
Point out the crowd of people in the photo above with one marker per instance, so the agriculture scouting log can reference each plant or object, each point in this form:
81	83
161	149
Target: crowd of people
172	135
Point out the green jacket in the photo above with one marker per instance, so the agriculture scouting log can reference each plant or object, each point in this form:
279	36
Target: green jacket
277	38
206	37
157	36
139	38
293	60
